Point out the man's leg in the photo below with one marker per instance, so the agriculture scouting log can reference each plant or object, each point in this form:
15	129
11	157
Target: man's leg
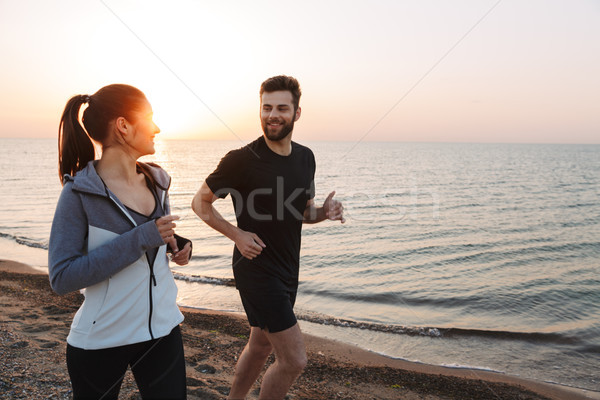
250	363
290	360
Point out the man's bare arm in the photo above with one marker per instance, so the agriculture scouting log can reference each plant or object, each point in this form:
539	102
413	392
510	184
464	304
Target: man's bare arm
248	243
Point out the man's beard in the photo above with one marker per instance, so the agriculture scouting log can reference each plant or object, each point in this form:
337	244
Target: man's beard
285	131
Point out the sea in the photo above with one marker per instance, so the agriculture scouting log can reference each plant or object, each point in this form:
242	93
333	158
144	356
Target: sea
482	256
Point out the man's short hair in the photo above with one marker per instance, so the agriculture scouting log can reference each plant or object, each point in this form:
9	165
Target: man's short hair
283	82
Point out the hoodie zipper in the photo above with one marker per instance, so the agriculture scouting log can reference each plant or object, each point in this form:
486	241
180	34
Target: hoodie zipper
152	280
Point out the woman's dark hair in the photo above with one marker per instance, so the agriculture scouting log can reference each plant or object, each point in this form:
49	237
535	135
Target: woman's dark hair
75	148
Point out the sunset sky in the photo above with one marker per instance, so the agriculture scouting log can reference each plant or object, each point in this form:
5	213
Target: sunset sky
418	71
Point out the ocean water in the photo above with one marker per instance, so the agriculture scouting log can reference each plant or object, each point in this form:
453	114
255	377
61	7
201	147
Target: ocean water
478	255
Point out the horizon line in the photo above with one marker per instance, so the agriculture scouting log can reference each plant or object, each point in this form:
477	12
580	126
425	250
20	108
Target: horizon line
339	141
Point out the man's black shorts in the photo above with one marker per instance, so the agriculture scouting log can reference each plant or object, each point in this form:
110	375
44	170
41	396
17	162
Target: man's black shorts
271	311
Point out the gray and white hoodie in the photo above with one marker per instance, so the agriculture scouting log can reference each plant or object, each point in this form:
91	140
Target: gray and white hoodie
95	245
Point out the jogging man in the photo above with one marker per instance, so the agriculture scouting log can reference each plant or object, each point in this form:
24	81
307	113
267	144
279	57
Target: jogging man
271	183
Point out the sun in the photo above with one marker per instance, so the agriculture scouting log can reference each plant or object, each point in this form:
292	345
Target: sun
221	113
174	119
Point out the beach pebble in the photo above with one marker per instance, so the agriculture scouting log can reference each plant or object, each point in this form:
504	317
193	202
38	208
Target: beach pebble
223	390
204	394
49	345
55	310
194	382
206	369
37	328
20	345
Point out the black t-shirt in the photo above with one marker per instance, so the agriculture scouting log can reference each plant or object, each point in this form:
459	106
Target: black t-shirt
269	194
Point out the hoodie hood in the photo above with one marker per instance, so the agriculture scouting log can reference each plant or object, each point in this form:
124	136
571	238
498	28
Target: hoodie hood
88	181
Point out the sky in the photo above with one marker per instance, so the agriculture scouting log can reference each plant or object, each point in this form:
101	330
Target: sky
507	71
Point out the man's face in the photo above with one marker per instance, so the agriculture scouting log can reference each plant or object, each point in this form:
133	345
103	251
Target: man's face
277	114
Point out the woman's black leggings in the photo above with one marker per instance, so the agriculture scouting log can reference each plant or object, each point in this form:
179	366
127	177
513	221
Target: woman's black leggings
158	367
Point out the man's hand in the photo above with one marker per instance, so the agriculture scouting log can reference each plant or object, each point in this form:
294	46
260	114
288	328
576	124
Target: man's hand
249	244
333	208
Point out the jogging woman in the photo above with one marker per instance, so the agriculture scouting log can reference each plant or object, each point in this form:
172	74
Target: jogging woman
110	236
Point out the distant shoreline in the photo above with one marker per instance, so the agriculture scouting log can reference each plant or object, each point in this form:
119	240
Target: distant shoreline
248	139
334	367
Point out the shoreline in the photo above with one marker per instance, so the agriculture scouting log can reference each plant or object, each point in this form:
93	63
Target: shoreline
34	323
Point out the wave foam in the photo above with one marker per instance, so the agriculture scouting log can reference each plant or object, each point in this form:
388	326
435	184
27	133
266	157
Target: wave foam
204	279
25	241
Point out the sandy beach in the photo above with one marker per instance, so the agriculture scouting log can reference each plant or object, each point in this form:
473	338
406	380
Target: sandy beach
34	323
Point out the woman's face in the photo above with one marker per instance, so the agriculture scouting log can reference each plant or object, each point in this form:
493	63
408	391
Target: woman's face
144	130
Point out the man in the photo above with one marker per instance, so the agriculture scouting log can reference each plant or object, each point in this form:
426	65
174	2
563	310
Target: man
271	182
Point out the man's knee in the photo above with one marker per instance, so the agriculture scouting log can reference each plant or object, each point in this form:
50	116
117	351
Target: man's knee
260	349
296	363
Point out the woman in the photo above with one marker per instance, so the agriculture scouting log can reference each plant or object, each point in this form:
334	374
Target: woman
109	236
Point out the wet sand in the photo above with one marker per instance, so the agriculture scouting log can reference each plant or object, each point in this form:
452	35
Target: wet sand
34	323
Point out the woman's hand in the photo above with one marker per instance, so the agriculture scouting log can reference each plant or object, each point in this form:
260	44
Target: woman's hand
182	257
166	228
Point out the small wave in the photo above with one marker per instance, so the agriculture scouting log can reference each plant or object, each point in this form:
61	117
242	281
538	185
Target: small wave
577	224
463	205
204	279
393	298
370	207
25	241
345	323
460	366
439	332
395	195
591	348
209	257
537	337
15	179
580	205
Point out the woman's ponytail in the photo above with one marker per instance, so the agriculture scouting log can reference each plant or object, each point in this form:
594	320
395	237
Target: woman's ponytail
75	148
